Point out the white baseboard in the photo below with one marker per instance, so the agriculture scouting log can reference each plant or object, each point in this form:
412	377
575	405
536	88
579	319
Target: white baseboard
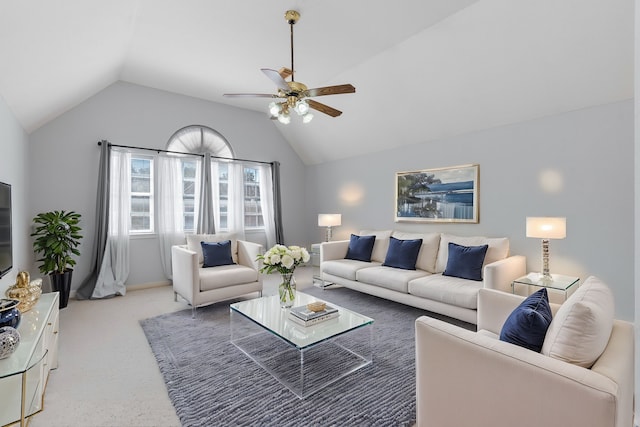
136	287
141	286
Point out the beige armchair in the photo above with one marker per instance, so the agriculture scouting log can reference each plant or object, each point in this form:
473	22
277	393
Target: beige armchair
466	378
202	286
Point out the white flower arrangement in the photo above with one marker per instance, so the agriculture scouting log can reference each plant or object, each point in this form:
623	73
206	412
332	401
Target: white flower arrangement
283	259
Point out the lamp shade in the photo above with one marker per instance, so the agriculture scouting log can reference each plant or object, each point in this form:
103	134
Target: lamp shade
547	227
329	220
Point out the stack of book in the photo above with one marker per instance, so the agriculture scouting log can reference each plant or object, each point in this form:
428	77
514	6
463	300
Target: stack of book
303	316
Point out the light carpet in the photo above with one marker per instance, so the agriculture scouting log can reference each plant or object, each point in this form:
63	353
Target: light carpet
211	382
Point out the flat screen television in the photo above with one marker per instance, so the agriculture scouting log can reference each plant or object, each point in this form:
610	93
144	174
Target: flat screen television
6	250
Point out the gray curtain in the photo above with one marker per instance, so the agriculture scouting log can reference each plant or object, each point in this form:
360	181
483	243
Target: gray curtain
170	216
206	223
114	269
102	221
277	202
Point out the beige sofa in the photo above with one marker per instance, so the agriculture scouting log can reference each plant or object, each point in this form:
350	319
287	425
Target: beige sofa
201	286
465	378
425	287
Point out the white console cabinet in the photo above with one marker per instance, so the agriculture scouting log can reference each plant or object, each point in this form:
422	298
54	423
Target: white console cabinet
24	374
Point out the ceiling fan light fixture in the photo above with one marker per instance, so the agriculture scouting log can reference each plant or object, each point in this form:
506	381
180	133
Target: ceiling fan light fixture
274	108
307	118
285	119
302	107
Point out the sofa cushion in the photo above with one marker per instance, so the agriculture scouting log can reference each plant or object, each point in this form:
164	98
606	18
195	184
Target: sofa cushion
381	244
527	325
346	268
449	290
193	243
395	279
216	253
402	253
360	248
582	326
226	275
465	262
498	248
428	251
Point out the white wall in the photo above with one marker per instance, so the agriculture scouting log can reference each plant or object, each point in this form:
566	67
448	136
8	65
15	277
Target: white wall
589	152
64	158
15	170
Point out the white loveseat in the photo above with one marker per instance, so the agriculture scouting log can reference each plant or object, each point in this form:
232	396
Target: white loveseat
465	378
201	286
425	287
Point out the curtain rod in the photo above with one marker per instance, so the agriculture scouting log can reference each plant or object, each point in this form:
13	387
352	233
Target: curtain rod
157	150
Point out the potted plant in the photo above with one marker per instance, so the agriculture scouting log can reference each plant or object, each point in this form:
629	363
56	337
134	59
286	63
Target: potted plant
57	236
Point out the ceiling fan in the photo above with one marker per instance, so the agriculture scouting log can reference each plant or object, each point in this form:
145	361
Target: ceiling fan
295	95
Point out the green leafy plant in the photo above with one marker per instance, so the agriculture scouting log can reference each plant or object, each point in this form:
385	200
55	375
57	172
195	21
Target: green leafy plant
57	236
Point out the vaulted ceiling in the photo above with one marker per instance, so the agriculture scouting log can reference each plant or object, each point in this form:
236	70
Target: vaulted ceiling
423	69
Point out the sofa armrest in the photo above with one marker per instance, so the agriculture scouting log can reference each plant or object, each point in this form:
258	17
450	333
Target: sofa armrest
617	362
333	250
495	306
248	253
500	274
186	276
463	377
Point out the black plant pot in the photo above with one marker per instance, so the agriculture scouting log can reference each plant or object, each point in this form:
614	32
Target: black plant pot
61	282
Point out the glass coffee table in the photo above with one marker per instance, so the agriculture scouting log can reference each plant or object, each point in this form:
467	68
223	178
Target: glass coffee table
305	359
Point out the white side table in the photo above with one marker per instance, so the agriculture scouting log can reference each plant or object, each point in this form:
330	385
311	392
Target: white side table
563	284
315	264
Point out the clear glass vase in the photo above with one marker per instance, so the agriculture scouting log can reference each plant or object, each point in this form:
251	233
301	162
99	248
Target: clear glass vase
287	290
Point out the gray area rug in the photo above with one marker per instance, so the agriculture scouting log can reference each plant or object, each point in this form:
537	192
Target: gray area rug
212	383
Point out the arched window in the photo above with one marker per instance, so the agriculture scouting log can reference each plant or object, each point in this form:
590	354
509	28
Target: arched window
197	139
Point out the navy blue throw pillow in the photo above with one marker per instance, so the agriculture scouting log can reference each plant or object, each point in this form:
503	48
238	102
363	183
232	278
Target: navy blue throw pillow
360	248
216	253
402	253
465	262
527	325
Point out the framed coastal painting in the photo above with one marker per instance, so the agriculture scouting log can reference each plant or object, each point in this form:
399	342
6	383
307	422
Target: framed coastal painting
438	195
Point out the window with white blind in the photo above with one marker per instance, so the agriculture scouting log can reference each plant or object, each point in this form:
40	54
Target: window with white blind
198	139
189	168
142	185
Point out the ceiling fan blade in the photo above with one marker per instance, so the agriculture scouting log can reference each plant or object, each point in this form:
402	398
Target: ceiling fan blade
323	108
285	72
276	78
250	95
330	90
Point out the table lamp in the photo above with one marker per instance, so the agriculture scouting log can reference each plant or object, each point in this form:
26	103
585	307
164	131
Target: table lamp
329	220
546	228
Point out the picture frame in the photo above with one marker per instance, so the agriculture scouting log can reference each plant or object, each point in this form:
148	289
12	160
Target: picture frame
448	194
